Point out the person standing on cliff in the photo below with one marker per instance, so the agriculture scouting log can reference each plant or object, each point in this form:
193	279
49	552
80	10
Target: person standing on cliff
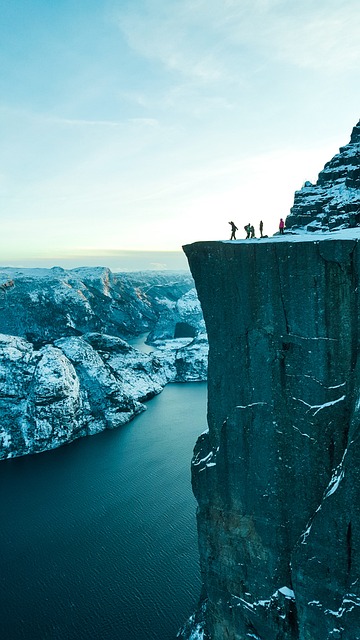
281	226
247	229
233	230
261	227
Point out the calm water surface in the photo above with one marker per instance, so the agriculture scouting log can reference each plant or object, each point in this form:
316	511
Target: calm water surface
98	538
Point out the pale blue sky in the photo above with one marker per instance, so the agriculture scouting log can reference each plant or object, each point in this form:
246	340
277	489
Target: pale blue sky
147	124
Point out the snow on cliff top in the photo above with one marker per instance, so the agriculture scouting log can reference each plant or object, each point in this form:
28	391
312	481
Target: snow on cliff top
304	236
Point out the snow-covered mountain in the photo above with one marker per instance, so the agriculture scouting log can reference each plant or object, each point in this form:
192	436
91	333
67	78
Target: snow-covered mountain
334	201
77	386
66	370
46	304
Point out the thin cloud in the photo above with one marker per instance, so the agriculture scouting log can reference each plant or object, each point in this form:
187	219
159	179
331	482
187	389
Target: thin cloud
327	40
146	122
82	123
305	35
202	40
167	34
46	118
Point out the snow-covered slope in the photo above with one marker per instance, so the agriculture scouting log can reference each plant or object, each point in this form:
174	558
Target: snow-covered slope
75	387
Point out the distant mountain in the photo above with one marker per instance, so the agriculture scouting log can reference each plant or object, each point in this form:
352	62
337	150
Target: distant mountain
45	304
66	370
334	201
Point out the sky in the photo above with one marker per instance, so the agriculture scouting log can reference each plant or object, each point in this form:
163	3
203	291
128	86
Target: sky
143	125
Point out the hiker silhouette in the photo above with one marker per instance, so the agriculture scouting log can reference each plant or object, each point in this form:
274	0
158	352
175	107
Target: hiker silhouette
233	230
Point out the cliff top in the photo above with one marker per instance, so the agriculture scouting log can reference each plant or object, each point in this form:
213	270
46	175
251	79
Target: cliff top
301	236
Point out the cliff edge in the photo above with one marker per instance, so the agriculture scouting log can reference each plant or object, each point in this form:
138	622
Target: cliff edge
277	474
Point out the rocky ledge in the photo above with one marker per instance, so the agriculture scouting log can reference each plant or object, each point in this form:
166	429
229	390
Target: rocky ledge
334	201
277	473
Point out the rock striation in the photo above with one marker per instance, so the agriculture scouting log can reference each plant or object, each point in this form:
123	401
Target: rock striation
277	474
334	201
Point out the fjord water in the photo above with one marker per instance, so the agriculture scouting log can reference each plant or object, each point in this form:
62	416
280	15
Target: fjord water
98	538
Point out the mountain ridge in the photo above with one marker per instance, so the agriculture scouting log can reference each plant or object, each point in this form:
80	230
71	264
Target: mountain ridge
333	202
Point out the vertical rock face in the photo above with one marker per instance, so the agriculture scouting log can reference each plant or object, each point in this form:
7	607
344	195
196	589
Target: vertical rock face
334	201
277	474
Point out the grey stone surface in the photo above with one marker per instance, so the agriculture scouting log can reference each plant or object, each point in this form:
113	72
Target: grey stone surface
277	474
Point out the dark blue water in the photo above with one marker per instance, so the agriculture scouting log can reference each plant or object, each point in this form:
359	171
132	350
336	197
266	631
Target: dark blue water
98	538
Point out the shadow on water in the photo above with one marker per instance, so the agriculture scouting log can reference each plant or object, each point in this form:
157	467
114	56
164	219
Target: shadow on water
98	538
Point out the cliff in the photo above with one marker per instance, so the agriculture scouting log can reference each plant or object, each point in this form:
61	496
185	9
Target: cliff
334	201
277	474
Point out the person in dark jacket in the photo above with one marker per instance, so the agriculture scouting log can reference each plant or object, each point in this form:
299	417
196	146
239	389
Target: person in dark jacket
233	230
261	227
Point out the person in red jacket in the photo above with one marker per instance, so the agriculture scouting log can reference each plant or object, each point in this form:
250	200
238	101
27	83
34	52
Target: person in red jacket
281	226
